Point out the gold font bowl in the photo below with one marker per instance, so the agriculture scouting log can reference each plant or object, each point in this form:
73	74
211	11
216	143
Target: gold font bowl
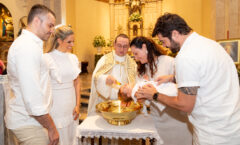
117	114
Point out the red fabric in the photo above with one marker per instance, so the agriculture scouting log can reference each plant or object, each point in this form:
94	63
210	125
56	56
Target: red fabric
1	67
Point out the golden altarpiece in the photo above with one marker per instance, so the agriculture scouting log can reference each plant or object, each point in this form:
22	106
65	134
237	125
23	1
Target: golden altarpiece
133	17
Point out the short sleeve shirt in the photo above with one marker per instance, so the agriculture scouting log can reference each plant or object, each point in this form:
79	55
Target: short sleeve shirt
203	63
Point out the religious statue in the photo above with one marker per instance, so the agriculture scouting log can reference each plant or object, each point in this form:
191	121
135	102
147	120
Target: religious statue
6	24
135	6
135	30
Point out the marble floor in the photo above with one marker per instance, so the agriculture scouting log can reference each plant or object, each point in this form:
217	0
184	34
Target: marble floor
85	93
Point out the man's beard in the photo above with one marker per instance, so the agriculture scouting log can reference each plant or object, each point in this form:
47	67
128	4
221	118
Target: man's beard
175	47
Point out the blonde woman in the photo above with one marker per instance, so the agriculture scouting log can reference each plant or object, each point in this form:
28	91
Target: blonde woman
66	95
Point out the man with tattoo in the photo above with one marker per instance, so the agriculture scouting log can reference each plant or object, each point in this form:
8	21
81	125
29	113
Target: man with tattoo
208	86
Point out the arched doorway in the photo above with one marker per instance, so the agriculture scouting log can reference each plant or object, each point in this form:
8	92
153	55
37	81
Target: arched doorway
6	24
6	32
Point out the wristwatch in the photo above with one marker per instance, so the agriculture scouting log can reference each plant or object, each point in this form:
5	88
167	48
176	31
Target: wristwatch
155	96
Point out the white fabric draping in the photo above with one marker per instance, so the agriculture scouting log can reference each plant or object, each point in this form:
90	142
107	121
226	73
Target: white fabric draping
6	137
141	127
2	81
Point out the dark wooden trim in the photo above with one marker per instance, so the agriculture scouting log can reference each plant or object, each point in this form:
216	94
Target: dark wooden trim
92	141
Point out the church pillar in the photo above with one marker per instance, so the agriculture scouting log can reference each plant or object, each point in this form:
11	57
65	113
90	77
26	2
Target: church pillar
159	8
233	19
226	8
63	11
112	19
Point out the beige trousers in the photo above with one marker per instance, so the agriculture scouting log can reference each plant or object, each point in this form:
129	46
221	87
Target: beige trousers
31	135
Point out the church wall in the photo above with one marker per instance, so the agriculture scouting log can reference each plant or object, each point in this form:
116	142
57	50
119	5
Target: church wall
227	19
120	20
151	11
209	18
91	18
70	14
190	10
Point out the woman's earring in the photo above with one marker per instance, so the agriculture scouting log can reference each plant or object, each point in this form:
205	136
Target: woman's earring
146	52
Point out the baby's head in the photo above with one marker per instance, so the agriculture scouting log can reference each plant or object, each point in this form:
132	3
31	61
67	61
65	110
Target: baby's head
124	93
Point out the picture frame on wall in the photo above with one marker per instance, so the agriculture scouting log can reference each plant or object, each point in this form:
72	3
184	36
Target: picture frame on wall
232	46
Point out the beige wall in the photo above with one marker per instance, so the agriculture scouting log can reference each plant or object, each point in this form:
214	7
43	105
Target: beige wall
199	14
91	18
70	13
209	18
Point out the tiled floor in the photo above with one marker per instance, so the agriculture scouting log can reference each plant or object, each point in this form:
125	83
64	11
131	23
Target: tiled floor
85	80
85	93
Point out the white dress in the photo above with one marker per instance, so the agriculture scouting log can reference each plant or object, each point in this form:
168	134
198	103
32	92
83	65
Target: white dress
64	97
172	125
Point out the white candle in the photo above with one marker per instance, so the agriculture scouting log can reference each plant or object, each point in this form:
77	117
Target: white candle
119	106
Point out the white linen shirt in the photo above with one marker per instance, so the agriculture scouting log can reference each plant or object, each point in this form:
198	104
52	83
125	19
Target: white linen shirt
29	80
216	115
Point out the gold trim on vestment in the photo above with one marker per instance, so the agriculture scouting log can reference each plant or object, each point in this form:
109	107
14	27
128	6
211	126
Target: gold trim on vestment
129	67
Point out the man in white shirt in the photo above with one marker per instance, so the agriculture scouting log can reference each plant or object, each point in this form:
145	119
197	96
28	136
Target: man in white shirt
208	86
113	69
27	113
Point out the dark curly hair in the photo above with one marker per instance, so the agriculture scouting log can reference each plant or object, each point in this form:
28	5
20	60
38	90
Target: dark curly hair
152	49
169	22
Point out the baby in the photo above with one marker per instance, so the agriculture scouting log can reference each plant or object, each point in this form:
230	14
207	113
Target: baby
127	93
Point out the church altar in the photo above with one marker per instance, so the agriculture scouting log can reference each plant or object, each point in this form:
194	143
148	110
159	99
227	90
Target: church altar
142	127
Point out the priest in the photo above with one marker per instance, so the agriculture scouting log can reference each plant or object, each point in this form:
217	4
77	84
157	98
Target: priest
112	70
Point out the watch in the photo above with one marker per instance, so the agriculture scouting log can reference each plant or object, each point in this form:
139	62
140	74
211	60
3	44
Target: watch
155	96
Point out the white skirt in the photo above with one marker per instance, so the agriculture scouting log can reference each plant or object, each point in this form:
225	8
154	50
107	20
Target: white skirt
64	102
67	135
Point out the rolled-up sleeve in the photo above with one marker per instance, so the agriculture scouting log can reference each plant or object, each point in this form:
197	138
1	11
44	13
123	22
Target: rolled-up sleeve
28	64
188	70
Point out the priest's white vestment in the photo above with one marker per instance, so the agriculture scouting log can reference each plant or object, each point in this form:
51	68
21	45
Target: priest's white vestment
123	69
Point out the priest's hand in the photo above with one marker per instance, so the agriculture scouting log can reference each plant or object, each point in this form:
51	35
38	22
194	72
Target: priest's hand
146	92
110	80
165	79
126	90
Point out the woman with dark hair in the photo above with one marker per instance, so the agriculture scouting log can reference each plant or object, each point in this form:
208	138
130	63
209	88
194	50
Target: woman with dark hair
172	125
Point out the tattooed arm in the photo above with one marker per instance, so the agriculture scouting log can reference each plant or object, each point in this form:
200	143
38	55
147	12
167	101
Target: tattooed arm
185	100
